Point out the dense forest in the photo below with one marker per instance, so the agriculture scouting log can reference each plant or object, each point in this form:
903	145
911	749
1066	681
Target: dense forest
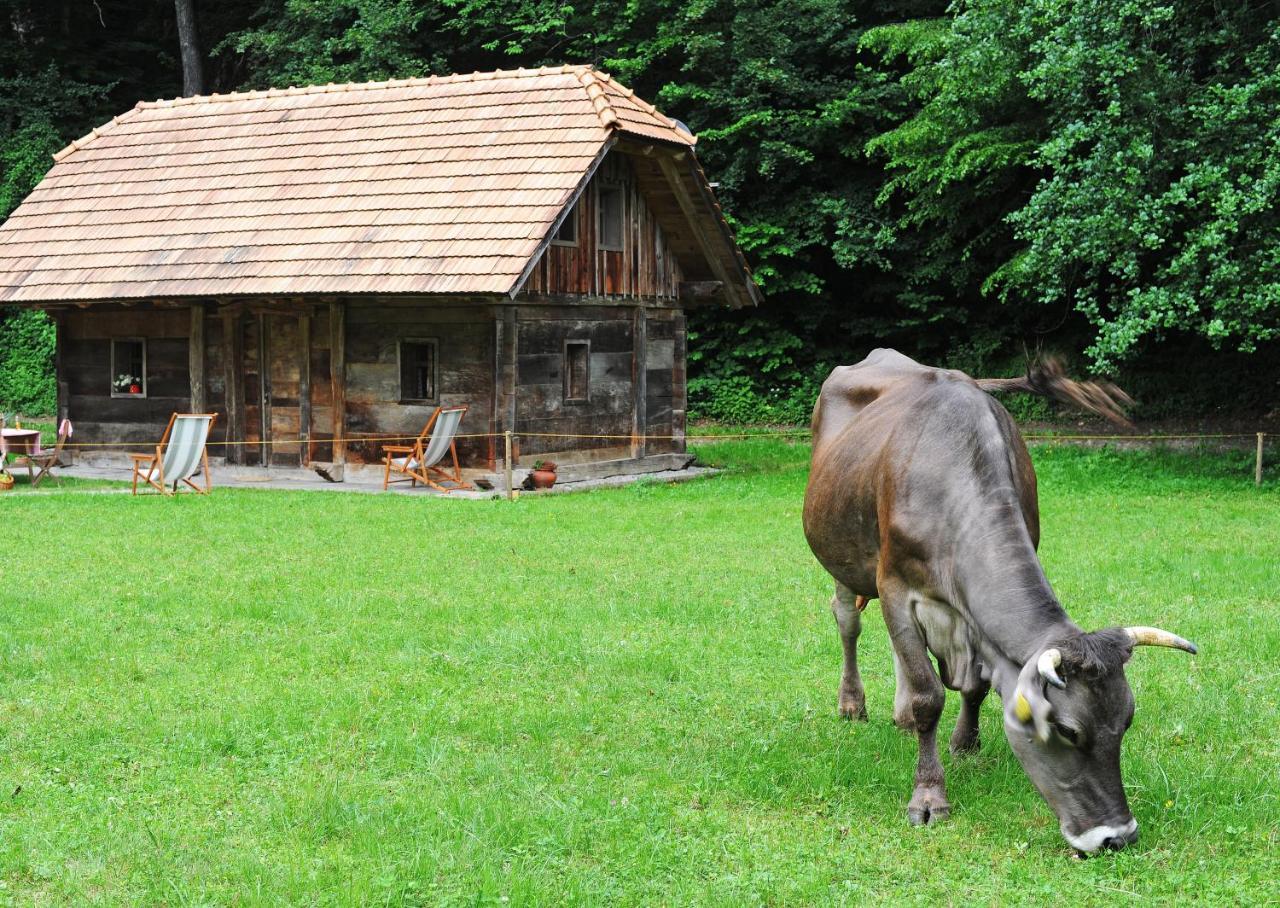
965	181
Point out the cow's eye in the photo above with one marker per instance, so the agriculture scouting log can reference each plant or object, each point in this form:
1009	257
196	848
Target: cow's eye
1067	733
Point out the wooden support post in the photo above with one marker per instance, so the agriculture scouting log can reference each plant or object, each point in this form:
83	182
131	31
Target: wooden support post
63	389
1257	465
511	492
679	384
511	343
495	402
338	380
304	389
233	364
264	391
195	359
640	382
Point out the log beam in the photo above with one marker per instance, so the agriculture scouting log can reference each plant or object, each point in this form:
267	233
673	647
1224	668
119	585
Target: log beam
640	382
679	384
687	207
338	379
233	364
700	291
304	389
195	359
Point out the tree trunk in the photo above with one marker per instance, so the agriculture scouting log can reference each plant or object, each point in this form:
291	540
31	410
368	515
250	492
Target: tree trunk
189	44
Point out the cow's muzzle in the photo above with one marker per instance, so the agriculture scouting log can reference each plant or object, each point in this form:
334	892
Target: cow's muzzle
1099	838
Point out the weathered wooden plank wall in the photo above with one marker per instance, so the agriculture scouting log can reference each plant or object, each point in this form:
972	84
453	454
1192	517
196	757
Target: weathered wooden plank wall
86	373
659	379
644	268
540	400
464	337
505	361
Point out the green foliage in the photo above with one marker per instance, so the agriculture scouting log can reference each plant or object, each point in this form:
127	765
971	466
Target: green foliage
738	401
305	42
26	362
1132	151
25	157
960	181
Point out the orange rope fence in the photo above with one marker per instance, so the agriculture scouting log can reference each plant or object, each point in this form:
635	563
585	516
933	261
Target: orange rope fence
726	436
709	438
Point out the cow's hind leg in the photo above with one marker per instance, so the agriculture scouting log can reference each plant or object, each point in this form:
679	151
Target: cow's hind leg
902	716
965	737
929	799
845	606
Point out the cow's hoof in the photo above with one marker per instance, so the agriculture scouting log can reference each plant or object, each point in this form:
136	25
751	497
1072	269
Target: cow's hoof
853	708
928	806
927	816
966	745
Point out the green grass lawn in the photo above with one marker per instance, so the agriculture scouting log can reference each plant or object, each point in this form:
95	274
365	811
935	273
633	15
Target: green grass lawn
624	696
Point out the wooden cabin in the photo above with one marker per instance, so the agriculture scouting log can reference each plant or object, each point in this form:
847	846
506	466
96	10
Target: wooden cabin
323	266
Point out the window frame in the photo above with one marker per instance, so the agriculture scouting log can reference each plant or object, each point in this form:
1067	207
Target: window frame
603	187
125	395
585	343
434	344
570	218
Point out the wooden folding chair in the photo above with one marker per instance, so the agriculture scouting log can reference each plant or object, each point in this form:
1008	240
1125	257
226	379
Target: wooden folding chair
181	453
418	461
45	460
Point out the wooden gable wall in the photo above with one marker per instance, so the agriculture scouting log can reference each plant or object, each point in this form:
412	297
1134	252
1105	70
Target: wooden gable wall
645	268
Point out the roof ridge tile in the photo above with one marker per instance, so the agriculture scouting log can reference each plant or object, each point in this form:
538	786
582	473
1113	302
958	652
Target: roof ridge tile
408	82
599	97
94	133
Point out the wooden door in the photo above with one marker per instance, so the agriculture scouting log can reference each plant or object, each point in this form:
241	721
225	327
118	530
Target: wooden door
282	395
273	387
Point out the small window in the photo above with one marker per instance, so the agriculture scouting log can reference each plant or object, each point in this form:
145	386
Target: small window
129	367
567	235
418	370
577	369
610	202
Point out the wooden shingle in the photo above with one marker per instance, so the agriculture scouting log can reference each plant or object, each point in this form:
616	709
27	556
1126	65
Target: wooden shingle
436	185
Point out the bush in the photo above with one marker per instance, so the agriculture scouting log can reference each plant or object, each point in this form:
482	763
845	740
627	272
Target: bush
27	347
737	401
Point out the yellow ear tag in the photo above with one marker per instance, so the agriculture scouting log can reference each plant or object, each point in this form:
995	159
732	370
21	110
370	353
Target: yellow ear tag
1022	709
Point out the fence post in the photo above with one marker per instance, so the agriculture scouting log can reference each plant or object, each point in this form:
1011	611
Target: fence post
1257	464
511	494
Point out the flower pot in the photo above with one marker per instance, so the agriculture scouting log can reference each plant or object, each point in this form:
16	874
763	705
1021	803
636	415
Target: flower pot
543	478
6	482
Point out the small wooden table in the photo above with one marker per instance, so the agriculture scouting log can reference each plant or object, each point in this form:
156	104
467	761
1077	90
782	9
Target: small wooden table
18	441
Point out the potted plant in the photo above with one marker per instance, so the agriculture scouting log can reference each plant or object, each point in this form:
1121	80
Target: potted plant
127	384
6	480
542	476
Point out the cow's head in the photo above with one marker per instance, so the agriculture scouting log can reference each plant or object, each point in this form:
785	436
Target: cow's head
1065	722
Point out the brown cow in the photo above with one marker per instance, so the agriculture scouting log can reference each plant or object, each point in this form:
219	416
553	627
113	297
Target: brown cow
922	494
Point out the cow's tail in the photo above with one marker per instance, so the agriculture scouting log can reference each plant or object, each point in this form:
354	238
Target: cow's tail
1047	378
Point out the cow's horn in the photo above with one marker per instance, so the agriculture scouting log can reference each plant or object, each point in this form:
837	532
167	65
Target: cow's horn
1048	664
1153	636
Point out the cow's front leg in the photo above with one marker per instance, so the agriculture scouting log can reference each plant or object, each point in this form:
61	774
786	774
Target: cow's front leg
852	702
965	737
929	799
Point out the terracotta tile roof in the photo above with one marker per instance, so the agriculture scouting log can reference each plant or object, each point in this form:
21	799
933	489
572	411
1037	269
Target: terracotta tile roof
437	185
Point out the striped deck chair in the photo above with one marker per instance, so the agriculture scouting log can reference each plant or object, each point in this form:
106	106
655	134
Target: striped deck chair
418	461
180	454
